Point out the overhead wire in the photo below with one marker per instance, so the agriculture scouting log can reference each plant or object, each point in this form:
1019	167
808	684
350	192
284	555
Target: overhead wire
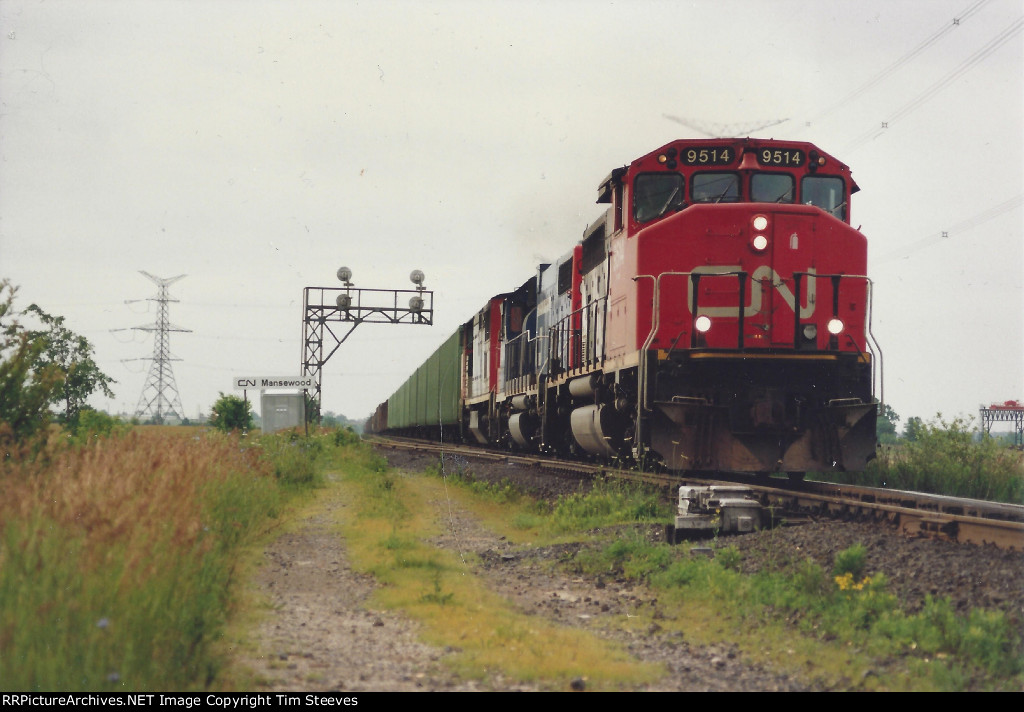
995	43
961	227
886	71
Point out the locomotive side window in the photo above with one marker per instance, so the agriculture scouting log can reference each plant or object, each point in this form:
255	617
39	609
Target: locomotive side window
826	192
772	188
655	193
715	188
565	276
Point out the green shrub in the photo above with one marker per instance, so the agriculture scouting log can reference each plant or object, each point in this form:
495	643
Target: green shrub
729	558
850	561
231	413
93	424
606	504
950	458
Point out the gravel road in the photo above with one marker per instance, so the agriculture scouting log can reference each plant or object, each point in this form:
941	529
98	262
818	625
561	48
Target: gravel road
321	634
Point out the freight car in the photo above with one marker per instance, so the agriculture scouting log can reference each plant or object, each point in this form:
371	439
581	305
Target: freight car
715	317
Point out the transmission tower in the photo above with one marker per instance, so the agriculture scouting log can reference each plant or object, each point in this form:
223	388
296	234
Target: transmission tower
159	397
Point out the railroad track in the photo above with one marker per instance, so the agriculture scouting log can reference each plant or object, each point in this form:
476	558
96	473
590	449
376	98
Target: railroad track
913	513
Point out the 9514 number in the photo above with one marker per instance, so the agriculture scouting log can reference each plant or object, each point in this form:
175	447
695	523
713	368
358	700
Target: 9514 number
780	157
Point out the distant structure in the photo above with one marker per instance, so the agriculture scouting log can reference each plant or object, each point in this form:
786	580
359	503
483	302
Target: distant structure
1008	412
159	399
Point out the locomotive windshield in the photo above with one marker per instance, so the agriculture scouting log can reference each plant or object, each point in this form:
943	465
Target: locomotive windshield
771	188
715	188
825	192
655	193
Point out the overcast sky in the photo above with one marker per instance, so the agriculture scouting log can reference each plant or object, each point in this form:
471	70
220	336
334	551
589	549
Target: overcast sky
257	146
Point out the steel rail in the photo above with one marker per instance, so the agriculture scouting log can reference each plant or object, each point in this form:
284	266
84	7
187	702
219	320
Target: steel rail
957	519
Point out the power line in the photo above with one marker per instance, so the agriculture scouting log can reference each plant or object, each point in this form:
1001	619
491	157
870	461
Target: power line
961	227
929	41
962	68
714	129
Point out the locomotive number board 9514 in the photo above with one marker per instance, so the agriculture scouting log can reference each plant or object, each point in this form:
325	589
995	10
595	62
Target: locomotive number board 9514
780	157
707	156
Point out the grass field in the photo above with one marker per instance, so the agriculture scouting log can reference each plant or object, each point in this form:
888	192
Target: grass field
117	557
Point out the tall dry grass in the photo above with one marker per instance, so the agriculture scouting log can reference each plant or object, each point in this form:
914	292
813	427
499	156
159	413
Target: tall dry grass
116	559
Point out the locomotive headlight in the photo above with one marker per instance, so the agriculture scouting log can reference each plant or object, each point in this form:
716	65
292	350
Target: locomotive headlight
835	326
810	332
760	222
702	324
759	243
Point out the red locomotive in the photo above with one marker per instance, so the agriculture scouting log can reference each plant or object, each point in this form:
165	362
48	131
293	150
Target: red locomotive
716	317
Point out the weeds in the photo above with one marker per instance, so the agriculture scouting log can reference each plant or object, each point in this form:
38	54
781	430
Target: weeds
608	503
850	562
950	458
434	586
117	556
436	596
849	605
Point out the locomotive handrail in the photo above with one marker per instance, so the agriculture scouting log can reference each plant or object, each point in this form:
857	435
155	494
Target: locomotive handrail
656	321
520	352
569	341
528	346
693	306
874	347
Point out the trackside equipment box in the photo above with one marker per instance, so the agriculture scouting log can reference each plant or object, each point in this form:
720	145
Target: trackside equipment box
282	410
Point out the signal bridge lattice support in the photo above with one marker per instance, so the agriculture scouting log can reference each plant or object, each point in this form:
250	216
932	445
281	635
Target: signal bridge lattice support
331	314
1004	414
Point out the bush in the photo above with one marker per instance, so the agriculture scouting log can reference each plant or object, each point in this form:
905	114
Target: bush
850	561
231	413
950	458
94	424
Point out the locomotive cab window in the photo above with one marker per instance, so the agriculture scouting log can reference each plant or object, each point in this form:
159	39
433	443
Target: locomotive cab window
772	188
715	188
825	192
654	194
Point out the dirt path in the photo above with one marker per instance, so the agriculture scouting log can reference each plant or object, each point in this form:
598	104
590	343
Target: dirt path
321	634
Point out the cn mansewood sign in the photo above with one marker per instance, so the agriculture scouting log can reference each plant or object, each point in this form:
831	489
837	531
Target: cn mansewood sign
243	383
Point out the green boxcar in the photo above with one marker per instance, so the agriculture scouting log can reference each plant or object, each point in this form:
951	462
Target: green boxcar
431	396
